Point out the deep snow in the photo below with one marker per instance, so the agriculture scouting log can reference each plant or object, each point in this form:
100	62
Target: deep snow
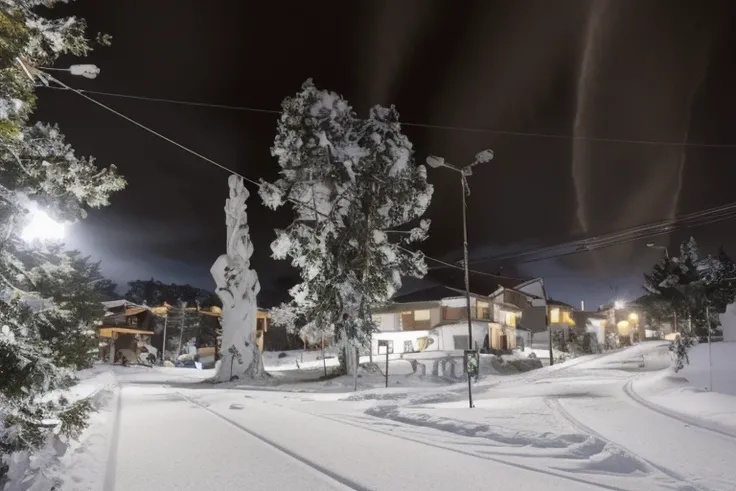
620	421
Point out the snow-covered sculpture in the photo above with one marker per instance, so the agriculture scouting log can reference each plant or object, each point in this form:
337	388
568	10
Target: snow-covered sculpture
237	287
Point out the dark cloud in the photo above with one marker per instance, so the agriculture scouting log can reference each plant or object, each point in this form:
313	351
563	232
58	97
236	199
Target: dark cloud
618	68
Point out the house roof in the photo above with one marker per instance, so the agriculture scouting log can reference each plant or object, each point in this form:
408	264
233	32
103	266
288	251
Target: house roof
557	303
431	294
113	304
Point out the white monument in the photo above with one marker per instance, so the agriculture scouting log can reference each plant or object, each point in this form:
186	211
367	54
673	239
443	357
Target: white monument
237	287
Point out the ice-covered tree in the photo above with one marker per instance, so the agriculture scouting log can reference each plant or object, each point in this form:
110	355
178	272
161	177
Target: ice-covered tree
47	296
352	184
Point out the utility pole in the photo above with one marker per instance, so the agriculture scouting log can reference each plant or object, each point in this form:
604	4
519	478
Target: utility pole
465	189
710	354
163	343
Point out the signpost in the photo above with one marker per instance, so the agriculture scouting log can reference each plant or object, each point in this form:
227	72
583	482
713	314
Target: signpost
472	364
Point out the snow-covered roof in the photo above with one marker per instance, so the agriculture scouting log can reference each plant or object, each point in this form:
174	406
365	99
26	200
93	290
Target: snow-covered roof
114	304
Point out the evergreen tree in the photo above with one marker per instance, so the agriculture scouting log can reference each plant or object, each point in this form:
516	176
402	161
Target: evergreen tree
154	293
697	289
350	182
47	296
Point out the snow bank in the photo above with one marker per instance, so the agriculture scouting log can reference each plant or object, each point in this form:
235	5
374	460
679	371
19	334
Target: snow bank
684	395
724	367
79	465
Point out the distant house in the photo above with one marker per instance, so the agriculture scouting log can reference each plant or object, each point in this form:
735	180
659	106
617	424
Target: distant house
122	322
435	318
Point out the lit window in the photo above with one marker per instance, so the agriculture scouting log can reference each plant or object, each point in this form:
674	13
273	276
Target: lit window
510	319
421	315
554	316
567	319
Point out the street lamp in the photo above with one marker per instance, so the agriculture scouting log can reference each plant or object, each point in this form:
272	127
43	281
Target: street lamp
42	227
86	70
435	162
655	246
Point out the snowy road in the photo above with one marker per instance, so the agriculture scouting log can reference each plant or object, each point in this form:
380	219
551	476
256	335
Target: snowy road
165	442
169	440
570	427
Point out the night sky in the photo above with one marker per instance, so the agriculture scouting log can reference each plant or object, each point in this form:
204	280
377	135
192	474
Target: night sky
622	69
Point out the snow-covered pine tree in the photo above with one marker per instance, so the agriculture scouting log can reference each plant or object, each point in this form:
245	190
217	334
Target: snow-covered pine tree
692	287
46	295
351	183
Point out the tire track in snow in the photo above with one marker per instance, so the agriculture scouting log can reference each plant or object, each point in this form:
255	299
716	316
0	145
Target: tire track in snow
339	481
464	452
112	456
555	405
700	424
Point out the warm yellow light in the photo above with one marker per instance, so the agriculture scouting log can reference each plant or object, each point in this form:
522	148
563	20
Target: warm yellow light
633	316
623	327
554	316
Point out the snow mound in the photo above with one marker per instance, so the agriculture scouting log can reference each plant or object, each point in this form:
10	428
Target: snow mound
499	435
611	459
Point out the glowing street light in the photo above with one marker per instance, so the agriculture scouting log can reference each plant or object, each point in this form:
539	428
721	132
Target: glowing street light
42	227
634	317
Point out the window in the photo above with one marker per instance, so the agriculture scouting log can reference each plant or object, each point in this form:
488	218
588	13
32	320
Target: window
510	319
408	347
460	342
567	318
554	316
133	321
421	315
406	321
484	311
385	346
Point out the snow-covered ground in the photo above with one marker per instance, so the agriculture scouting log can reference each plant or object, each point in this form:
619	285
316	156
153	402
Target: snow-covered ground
619	421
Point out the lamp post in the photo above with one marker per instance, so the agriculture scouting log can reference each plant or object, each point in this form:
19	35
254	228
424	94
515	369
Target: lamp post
655	246
435	162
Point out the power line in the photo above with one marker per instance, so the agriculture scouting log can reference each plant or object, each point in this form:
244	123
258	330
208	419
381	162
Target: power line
592	241
150	130
207	159
450	265
521	134
721	213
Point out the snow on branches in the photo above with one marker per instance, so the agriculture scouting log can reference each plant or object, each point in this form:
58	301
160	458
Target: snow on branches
48	298
351	182
686	284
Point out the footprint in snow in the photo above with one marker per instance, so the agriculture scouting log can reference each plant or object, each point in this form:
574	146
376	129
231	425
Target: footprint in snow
236	406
